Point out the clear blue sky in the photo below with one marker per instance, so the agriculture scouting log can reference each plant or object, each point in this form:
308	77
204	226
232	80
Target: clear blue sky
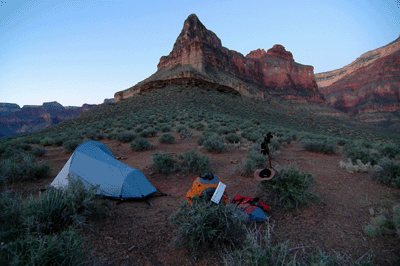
77	52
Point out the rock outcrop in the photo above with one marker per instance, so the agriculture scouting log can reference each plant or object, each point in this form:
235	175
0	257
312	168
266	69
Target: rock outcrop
369	85
31	118
198	55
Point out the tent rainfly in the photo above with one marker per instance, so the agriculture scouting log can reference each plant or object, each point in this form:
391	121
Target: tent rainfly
94	164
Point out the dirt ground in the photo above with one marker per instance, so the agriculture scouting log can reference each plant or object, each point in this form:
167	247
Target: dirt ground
139	234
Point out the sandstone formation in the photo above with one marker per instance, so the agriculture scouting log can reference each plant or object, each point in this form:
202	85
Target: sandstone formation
31	118
367	86
199	59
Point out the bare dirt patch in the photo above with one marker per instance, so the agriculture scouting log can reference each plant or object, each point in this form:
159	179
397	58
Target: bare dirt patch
139	234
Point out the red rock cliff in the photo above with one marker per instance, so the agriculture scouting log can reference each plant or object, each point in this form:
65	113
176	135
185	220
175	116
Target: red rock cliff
271	72
369	84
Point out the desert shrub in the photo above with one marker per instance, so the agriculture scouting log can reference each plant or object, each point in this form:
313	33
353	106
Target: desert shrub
257	249
65	248
166	138
232	138
252	134
56	210
11	207
223	131
141	144
22	166
199	126
147	133
165	128
46	141
388	173
164	163
254	160
71	145
355	151
194	162
289	188
386	223
138	129
325	147
185	133
204	224
126	136
214	144
38	151
389	150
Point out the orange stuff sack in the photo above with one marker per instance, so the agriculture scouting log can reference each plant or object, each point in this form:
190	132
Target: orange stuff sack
205	185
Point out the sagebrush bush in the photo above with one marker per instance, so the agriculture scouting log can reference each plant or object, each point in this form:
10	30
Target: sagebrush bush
11	209
232	138
66	248
166	138
147	133
21	166
46	141
141	144
126	136
204	224
325	147
390	150
214	144
194	162
38	151
164	163
254	160
388	173
356	151
165	128
289	188
71	145
385	223
185	134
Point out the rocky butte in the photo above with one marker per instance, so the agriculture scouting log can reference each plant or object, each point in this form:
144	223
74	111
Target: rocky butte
198	59
369	87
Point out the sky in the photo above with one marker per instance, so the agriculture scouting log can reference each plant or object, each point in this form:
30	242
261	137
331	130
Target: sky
77	52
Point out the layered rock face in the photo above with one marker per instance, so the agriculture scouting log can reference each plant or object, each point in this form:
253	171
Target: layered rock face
198	55
31	118
368	85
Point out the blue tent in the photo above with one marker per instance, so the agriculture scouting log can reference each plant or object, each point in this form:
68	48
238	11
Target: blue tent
94	164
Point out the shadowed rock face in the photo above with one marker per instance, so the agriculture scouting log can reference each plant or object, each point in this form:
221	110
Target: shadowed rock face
370	84
258	73
31	118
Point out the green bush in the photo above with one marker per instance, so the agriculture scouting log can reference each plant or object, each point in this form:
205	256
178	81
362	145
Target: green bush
185	134
126	136
254	160
325	147
289	188
147	133
388	173
214	144
257	249
199	126
11	209
194	162
66	248
389	150
164	163
141	144
355	151
38	151
386	223
232	138
46	141
165	128
166	138
71	145
204	224
21	166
